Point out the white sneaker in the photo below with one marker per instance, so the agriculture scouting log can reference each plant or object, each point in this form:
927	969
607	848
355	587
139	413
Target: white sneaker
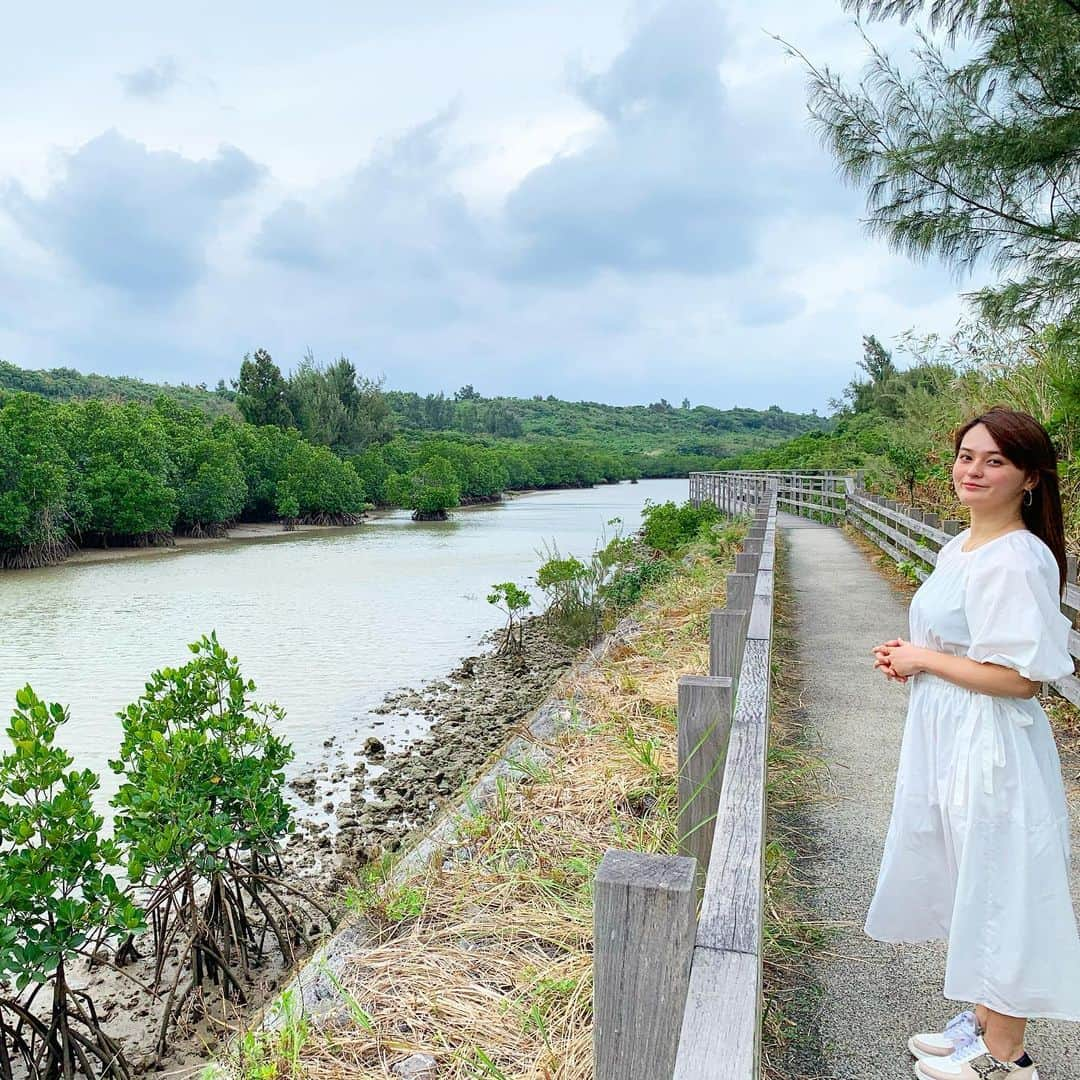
952	1067
959	1031
983	1067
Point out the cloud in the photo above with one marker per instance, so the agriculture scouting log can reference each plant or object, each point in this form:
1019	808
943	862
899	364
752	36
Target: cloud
661	185
771	308
153	82
659	222
136	219
397	215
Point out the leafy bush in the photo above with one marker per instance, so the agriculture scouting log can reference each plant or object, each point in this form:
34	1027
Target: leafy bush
576	589
627	586
57	899
429	491
668	527
201	812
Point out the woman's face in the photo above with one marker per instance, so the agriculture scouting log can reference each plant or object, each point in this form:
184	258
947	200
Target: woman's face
983	477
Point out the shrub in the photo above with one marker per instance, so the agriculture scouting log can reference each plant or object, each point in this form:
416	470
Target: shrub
627	586
428	491
576	590
57	899
201	813
514	601
668	527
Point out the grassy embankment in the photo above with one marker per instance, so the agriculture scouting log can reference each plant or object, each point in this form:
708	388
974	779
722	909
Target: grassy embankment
484	960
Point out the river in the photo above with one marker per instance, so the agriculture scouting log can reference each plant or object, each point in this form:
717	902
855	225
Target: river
325	623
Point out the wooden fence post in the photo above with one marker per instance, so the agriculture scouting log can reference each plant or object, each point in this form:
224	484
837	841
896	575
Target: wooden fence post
746	562
643	932
740	591
704	729
727	635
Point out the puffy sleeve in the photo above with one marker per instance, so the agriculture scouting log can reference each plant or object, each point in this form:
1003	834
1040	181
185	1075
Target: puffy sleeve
1014	615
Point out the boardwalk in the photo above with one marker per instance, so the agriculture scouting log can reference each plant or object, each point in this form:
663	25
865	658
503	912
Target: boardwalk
872	995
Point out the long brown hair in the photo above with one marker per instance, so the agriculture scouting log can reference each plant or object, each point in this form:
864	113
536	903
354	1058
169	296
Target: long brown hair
1025	442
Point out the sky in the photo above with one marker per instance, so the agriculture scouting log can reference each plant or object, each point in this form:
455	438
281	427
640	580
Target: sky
612	201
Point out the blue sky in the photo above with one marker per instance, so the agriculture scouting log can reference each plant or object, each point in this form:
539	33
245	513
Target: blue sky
613	201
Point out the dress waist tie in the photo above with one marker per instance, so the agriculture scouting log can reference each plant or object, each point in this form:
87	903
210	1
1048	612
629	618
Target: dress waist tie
980	738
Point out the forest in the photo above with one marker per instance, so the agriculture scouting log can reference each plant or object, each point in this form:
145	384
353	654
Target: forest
90	460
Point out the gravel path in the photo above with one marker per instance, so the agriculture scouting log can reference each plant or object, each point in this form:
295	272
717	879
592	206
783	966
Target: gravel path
871	995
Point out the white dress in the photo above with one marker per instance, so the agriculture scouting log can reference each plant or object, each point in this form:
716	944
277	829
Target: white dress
978	846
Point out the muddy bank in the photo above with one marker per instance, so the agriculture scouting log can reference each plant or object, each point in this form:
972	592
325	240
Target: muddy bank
356	804
248	531
253	531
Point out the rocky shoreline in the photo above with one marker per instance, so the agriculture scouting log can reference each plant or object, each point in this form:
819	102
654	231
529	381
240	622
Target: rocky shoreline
373	805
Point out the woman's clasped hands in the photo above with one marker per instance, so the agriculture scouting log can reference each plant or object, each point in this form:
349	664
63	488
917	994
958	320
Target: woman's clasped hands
897	659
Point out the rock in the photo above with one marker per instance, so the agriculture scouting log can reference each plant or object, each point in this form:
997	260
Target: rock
415	1065
304	786
374	749
467	669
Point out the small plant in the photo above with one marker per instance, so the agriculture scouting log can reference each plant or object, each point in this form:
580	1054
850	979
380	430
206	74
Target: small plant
627	587
514	601
525	768
201	812
274	1054
642	749
908	569
576	590
404	903
57	901
376	897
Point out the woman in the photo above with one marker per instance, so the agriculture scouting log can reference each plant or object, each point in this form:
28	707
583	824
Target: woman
978	847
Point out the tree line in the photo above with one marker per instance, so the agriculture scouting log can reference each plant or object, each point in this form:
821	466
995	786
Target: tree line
108	473
318	446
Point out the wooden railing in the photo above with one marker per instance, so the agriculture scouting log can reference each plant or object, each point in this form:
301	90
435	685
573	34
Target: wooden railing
676	995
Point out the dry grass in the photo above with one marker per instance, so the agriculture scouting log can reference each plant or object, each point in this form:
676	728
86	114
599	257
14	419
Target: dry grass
795	780
485	961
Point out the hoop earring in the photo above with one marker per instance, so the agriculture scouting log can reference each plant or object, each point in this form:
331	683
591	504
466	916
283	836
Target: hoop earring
1028	497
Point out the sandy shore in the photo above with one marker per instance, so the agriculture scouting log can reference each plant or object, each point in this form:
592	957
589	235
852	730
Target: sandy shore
244	533
254	531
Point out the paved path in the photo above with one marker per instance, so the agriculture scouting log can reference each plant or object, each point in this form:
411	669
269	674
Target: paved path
873	995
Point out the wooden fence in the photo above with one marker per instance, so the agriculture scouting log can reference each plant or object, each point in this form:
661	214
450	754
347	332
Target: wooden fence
677	995
911	536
